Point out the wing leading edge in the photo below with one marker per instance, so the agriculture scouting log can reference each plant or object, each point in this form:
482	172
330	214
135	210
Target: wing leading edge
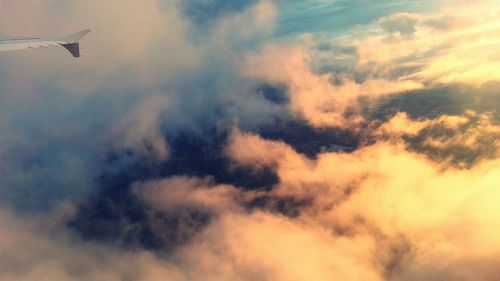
70	43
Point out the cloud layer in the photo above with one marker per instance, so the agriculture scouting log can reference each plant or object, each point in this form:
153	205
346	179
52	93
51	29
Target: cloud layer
179	147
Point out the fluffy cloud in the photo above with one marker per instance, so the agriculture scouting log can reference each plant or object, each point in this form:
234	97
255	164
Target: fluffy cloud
399	207
365	217
462	140
372	192
142	75
314	96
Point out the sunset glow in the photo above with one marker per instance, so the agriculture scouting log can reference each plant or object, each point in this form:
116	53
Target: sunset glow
249	140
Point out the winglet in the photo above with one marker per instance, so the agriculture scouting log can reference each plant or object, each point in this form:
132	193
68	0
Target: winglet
71	42
74	38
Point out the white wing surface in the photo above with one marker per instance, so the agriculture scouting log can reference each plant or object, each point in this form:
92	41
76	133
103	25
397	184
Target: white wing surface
71	43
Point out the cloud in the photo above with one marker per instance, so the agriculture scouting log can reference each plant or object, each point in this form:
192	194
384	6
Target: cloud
462	140
367	217
371	192
313	96
142	129
64	111
402	24
28	254
142	76
261	246
184	192
440	46
415	201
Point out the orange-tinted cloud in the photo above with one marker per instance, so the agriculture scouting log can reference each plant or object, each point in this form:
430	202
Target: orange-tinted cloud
314	96
383	212
455	45
395	196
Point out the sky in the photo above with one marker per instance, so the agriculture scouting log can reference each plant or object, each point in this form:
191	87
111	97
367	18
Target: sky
336	17
251	140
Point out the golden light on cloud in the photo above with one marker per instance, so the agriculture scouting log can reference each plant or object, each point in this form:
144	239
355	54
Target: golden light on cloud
457	45
313	96
387	194
222	152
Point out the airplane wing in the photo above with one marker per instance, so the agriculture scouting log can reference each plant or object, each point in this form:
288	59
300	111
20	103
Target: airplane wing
70	42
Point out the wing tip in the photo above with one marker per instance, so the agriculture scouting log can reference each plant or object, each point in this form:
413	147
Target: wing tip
71	42
75	37
73	48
